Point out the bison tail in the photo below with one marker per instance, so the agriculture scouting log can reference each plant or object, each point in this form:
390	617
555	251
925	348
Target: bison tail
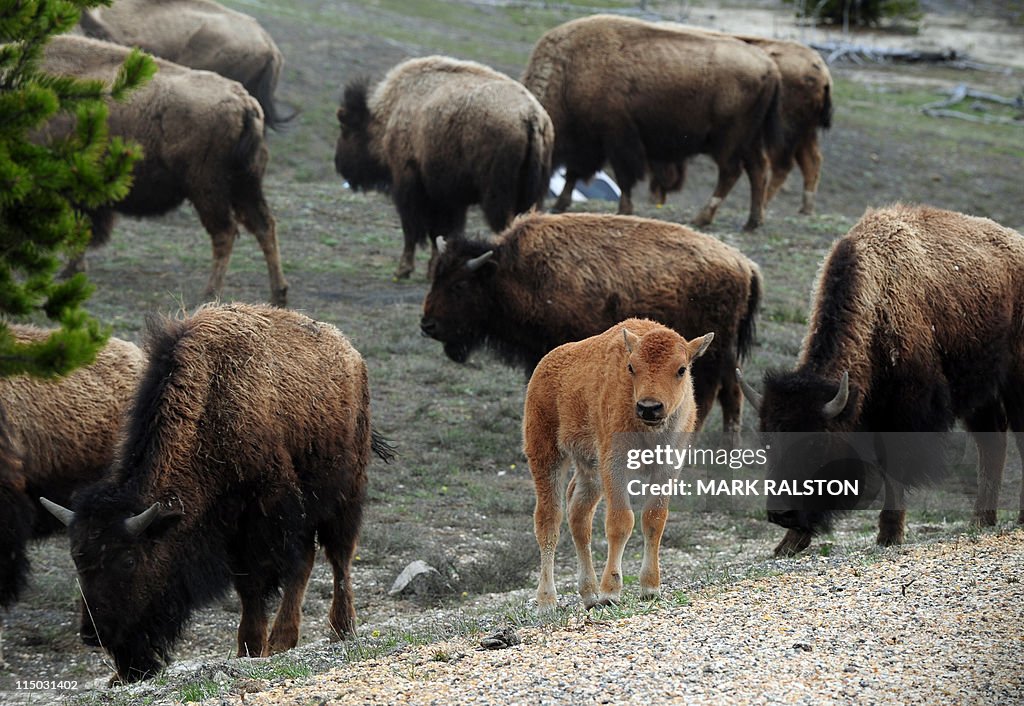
534	172
825	117
15	533
382	447
748	324
772	133
262	89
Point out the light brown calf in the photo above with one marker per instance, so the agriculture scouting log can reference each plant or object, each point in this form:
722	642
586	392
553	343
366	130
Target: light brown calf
634	377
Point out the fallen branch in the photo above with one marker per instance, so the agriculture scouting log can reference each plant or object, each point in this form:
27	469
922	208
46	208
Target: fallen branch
857	53
958	94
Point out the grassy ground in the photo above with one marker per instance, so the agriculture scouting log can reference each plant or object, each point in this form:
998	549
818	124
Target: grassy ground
460	495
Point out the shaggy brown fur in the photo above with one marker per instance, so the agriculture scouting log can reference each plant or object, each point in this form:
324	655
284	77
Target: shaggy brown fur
924	309
199	34
203	140
634	377
806	106
248	440
58	435
557	278
635	93
442	135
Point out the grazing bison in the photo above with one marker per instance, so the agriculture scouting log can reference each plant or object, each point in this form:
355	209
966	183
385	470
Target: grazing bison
203	141
634	377
248	441
551	279
918	321
55	436
805	106
199	34
634	93
441	135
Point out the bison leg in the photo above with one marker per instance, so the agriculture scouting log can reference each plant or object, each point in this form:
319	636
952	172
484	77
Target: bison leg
549	470
892	518
808	156
988	427
782	165
756	166
252	628
262	225
339	541
728	173
652	523
618	525
285	634
564	199
583	495
223	243
793	543
1015	417
730	398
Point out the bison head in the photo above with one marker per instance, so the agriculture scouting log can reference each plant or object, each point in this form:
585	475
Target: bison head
126	580
461	301
354	158
808	424
659	364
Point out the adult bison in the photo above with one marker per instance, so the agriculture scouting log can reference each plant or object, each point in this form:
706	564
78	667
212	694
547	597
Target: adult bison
247	442
918	321
634	93
202	137
441	135
199	34
55	436
551	279
805	107
634	377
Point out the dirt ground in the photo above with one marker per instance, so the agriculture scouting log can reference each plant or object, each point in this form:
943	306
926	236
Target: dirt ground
459	496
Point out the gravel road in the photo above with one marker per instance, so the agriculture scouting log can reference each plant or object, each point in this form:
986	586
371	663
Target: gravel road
927	624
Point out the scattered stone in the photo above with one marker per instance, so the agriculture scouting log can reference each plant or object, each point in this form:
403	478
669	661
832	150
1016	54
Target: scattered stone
415	578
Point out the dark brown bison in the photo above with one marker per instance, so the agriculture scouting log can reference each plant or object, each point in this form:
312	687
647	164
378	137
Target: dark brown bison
918	321
552	279
199	34
636	93
55	436
441	135
202	135
805	106
247	442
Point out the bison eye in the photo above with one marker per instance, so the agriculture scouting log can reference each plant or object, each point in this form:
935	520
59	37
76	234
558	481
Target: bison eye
629	367
682	371
128	563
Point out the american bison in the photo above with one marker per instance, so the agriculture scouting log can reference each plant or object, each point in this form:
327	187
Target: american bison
441	135
199	34
202	136
918	321
634	377
247	442
55	436
635	93
805	106
551	279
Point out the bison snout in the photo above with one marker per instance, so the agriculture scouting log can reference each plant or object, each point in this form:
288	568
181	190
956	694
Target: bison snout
650	411
428	327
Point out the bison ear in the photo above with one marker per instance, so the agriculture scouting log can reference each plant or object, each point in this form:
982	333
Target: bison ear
632	340
698	346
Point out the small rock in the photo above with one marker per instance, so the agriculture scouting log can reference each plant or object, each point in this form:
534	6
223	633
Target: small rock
409	575
500	640
805	647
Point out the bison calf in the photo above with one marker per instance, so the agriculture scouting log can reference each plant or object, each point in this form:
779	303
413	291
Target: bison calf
633	377
202	140
247	442
441	135
552	279
917	321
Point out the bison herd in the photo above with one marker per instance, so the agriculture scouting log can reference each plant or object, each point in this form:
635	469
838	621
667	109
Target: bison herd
239	441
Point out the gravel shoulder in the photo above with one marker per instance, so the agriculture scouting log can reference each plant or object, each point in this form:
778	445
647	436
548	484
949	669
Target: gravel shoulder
935	623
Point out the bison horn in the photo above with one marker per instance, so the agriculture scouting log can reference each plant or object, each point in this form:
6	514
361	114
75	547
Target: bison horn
477	262
441	244
837	404
58	511
748	390
137	524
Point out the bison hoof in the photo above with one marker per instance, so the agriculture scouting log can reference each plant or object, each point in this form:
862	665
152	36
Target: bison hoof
402	273
793	543
650	594
751	225
280	297
605	601
984	518
887	539
702	220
